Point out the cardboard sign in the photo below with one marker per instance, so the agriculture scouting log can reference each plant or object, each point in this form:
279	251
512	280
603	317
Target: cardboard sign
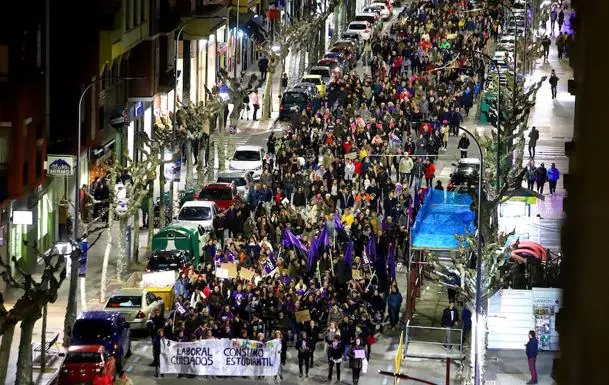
351	155
231	268
356	274
222	273
303	316
359	353
246	274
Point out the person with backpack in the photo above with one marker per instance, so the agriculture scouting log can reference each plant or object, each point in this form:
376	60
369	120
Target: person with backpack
533	137
531	175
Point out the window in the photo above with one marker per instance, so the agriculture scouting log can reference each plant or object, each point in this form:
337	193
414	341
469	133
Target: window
194	213
124	301
247	156
150	298
83	358
91	329
215	194
4	61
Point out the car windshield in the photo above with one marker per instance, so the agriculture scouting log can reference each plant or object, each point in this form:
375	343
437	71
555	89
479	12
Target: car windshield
323	73
247	156
164	262
91	329
83	358
315	81
216	194
125	301
294	97
364	18
237	181
357	26
194	213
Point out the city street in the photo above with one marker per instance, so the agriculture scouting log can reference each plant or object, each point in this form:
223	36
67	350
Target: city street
554	120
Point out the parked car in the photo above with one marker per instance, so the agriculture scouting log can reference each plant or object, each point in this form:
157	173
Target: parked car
381	8
293	101
341	57
326	73
309	88
135	305
167	260
222	194
371	17
354	37
465	172
107	328
242	180
82	363
317	80
336	66
362	27
198	213
247	158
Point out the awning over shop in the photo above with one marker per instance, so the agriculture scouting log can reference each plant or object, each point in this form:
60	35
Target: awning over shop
201	28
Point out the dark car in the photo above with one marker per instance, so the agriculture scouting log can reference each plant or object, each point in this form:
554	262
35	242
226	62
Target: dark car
293	101
465	173
106	328
167	260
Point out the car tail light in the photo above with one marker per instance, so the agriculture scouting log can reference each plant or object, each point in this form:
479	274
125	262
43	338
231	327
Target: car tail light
140	314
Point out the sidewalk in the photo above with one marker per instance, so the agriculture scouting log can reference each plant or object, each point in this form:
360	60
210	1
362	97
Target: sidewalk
554	120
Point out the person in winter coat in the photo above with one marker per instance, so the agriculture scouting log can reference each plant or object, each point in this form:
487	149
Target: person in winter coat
335	354
541	177
303	345
156	351
553	176
553	80
356	363
533	137
394	302
263	66
531	351
430	173
405	168
531	173
450	317
463	145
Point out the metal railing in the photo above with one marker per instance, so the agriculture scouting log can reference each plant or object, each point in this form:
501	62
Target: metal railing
432	342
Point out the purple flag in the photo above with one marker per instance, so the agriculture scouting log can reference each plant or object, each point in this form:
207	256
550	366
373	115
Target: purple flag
324	238
290	239
349	254
218	259
391	259
337	223
270	264
312	253
371	248
230	256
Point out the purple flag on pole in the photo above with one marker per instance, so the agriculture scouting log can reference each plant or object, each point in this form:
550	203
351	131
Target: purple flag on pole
391	259
270	264
349	254
337	223
312	253
324	238
290	239
371	248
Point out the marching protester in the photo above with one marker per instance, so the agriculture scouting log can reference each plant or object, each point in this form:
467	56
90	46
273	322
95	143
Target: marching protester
356	358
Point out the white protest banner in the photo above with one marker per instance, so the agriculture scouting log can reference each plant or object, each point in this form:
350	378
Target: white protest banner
221	357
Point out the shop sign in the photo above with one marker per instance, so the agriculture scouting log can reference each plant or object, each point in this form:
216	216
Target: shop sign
60	165
139	109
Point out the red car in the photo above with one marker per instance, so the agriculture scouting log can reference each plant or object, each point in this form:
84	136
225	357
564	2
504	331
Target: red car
222	194
83	362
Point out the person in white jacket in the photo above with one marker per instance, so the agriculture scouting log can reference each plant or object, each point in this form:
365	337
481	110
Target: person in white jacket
349	171
405	168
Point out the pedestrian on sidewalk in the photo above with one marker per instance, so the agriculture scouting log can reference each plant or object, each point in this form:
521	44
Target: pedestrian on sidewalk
430	172
463	145
533	137
466	320
546	43
449	318
561	42
531	173
263	66
284	82
256	104
553	16
553	176
541	177
531	351
245	110
553	83
561	19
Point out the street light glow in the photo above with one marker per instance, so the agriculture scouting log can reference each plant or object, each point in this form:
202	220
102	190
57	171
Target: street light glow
275	48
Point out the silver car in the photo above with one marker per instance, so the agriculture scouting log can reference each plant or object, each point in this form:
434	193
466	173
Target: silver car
136	305
243	181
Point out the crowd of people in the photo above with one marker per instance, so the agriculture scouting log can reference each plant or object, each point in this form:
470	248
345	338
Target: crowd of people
327	224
